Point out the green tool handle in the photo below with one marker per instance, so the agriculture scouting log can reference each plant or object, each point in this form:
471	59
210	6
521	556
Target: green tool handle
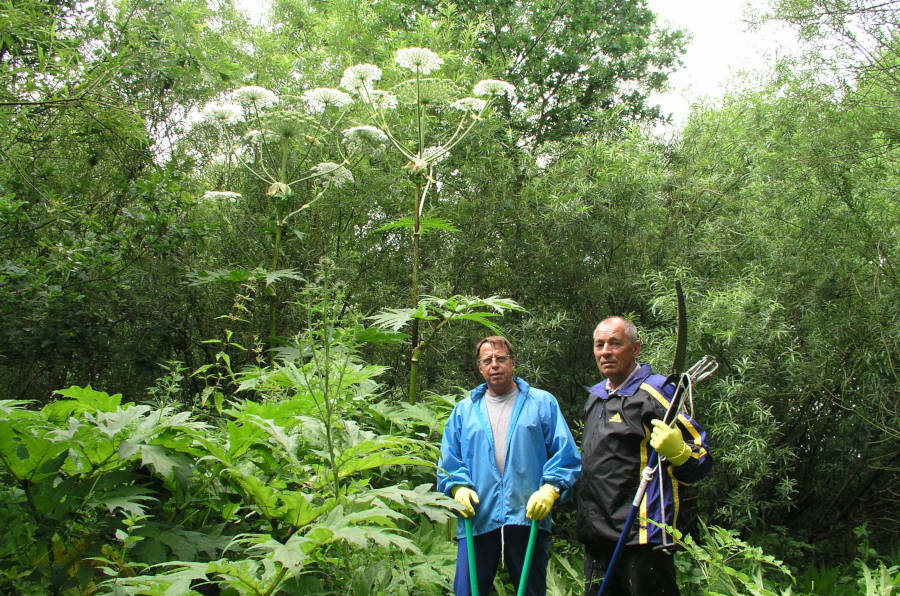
470	549
526	566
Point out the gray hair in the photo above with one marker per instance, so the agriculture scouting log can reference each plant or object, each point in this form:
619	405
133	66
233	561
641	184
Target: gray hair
631	331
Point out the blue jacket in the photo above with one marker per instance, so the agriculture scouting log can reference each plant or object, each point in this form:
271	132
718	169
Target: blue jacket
616	448
539	450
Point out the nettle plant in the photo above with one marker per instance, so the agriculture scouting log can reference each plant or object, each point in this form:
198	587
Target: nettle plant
436	131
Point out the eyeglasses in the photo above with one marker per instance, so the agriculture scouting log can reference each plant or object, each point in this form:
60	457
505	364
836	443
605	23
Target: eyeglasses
487	361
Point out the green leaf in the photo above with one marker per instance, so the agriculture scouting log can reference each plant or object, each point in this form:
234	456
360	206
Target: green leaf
221	275
353	529
178	581
162	462
372	335
291	554
112	423
423	499
396	318
187	544
426	224
481	318
393	318
297	510
261	494
271	277
26	448
128	499
377	452
88	399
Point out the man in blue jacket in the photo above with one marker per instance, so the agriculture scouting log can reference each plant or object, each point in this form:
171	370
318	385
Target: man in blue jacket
507	455
623	421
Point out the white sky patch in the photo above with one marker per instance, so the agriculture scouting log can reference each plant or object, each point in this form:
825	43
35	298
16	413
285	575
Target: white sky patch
721	48
257	11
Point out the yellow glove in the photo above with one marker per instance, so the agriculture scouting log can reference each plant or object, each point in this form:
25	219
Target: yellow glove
541	501
668	443
465	496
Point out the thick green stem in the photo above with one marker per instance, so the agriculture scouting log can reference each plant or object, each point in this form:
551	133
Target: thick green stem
414	357
414	375
276	582
326	397
329	437
276	249
273	307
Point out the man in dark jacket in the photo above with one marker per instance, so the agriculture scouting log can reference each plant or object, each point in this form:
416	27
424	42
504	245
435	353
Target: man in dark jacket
623	421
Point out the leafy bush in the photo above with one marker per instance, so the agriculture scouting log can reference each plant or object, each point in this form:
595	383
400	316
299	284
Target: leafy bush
720	563
303	484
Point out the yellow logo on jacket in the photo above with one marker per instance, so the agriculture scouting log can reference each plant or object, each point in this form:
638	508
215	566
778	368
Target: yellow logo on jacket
616	417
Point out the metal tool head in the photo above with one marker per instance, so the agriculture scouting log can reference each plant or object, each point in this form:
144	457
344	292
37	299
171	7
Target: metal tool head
684	388
702	369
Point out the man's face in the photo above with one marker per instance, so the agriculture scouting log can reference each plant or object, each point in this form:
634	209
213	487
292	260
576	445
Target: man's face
498	375
615	353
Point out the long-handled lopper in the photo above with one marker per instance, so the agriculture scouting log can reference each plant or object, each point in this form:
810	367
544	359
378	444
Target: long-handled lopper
702	369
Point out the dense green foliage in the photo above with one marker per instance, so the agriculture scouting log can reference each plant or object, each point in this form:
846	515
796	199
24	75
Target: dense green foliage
264	434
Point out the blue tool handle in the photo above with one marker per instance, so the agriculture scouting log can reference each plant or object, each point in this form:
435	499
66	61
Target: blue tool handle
624	535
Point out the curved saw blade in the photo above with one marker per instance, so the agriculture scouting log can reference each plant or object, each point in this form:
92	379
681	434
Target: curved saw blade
681	338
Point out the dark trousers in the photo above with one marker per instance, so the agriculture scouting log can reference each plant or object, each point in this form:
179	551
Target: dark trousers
639	571
487	558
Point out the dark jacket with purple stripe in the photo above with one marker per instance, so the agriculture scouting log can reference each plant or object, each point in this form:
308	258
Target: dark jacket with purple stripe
615	449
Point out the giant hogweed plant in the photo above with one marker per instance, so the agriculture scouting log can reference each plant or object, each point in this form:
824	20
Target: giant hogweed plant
278	140
284	143
296	490
422	101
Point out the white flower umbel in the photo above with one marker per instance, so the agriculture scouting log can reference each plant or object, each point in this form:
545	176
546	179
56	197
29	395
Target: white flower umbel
360	78
216	112
331	174
365	139
490	87
469	104
381	100
253	95
322	97
421	60
284	126
221	195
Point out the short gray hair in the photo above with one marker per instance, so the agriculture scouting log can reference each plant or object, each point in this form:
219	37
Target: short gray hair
631	331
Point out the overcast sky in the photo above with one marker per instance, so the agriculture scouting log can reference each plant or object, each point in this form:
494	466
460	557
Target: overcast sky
721	47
